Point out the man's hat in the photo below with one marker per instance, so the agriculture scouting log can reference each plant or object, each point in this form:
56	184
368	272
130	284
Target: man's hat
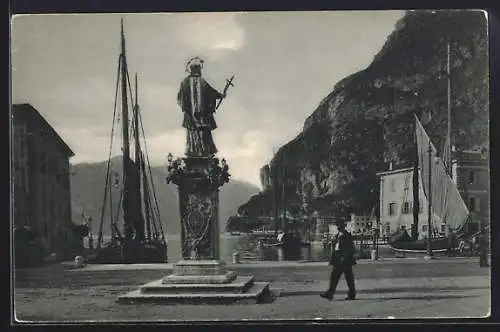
196	61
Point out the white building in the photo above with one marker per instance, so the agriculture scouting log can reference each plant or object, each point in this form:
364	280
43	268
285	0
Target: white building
470	172
396	204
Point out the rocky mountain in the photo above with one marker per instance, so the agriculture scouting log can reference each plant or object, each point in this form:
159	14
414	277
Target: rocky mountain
87	192
367	120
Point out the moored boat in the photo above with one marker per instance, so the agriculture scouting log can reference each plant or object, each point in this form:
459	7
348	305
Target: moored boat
444	200
141	239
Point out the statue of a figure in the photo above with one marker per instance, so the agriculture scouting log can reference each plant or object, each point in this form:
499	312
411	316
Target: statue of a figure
198	102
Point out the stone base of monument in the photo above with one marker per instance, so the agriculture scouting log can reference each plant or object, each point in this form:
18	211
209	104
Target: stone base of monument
201	282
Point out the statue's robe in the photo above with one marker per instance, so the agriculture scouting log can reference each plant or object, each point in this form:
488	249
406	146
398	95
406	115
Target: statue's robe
198	100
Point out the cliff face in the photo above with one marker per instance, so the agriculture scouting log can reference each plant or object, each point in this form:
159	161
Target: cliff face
367	120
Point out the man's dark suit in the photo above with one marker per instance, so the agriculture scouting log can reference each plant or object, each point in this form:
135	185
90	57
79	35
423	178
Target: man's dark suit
342	259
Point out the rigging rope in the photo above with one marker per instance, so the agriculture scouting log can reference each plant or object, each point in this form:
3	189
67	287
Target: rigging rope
137	113
130	89
99	240
121	60
151	176
153	217
119	204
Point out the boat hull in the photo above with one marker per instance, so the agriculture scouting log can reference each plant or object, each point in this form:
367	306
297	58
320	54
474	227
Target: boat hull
116	254
419	247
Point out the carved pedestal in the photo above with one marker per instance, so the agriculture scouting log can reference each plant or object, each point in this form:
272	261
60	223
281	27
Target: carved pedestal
199	208
200	277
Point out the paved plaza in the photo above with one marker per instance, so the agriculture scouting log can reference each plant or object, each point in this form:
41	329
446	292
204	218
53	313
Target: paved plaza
411	288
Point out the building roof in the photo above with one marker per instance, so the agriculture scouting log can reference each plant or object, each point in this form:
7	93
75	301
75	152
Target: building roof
30	111
395	171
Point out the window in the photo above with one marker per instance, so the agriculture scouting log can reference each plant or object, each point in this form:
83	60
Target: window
443	228
406	207
388	228
393	185
474	204
392	209
471	177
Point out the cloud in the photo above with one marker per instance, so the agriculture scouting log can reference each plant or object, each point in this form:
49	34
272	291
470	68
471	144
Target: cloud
246	151
284	64
211	31
85	149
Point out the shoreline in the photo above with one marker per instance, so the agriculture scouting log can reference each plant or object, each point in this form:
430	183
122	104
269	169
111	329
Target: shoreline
264	264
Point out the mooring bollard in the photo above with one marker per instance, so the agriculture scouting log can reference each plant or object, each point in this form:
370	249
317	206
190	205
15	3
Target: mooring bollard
236	257
52	258
79	261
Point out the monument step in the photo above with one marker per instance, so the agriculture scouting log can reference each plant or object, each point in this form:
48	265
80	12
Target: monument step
199	267
258	293
239	285
225	278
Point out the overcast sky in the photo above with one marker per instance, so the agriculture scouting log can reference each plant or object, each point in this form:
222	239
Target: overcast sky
284	64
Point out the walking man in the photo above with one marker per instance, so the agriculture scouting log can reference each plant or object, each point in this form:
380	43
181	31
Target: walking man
342	259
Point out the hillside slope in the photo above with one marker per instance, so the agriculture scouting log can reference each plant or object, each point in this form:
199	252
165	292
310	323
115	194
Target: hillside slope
87	192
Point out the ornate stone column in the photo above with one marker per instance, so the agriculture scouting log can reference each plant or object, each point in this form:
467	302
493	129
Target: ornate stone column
198	180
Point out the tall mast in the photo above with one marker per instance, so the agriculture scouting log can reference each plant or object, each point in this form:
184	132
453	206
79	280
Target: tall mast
429	209
275	200
416	194
136	126
274	174
283	195
147	206
125	138
448	137
139	226
111	216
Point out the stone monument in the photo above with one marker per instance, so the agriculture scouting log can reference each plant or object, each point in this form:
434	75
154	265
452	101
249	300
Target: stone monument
200	277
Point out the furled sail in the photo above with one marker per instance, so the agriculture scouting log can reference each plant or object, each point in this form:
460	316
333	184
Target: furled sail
446	200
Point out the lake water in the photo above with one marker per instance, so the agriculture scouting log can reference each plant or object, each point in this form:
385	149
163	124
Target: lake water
229	244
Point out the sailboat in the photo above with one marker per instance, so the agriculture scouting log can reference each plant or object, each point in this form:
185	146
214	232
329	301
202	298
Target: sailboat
141	239
444	199
285	237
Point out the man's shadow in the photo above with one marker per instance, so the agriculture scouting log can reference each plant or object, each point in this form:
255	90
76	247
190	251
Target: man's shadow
388	290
